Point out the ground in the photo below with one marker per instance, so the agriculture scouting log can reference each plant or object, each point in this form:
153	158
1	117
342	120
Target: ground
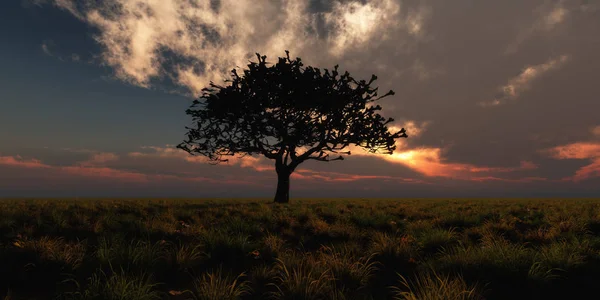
308	249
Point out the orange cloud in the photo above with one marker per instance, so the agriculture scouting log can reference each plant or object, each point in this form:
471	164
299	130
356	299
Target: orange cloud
589	171
92	169
18	161
83	169
580	150
429	162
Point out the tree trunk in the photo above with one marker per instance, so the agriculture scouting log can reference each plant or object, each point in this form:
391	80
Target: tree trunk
282	195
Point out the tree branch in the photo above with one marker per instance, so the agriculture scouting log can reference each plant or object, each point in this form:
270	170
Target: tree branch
325	158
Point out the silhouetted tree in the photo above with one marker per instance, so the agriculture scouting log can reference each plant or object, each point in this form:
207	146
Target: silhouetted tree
289	114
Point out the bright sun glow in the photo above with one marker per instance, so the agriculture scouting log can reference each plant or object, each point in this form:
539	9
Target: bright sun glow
408	157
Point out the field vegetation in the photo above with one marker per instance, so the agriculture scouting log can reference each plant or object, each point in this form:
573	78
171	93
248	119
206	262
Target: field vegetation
308	249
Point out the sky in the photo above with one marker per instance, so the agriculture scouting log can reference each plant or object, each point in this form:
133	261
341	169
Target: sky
499	98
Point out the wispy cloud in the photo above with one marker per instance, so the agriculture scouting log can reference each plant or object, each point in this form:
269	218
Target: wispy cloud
522	82
46	46
548	17
589	6
50	48
100	159
29	3
169	151
194	42
424	72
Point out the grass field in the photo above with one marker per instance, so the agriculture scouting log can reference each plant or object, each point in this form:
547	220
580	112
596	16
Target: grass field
309	249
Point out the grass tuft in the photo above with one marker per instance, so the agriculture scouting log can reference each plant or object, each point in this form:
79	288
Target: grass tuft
433	286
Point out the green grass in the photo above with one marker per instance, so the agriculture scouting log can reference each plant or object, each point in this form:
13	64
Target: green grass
309	249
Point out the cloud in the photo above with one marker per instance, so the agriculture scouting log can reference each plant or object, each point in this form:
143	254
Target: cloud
596	131
21	162
49	48
525	165
105	172
358	23
95	168
161	166
86	168
193	42
555	17
522	82
413	129
305	174
518	180
262	164
588	7
423	72
79	150
429	161
30	3
580	150
100	159
169	151
46	46
548	18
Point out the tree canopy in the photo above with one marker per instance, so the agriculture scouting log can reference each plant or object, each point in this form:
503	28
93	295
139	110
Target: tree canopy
288	113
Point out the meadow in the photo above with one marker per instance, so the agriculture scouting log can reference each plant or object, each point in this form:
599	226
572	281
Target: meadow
308	249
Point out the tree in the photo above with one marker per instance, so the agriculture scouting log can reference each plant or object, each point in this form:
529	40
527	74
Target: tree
289	114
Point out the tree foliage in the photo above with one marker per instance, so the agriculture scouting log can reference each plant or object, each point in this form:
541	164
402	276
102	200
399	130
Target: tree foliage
288	113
